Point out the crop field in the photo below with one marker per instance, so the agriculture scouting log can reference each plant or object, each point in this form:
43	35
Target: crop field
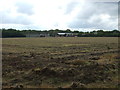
60	62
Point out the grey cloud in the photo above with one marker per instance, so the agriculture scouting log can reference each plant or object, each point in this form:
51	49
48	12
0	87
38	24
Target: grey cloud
70	7
119	10
99	8
6	18
24	8
110	7
83	18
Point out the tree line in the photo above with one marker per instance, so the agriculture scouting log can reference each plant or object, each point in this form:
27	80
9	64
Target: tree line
22	33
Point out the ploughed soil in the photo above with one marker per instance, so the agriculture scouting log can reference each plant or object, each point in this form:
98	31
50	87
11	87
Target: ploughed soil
61	67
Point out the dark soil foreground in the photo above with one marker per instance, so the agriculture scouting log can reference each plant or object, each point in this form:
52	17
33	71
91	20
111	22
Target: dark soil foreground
61	67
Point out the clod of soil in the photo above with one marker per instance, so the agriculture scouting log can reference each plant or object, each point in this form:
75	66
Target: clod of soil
46	71
94	58
17	86
77	85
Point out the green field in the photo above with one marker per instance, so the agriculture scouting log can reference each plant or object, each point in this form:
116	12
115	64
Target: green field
67	62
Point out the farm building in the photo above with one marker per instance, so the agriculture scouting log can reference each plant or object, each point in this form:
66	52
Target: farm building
48	35
37	35
67	34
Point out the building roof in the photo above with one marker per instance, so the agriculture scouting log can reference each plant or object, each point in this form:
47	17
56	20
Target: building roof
64	33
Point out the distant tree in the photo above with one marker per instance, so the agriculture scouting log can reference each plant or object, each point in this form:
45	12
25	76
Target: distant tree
11	33
75	31
100	33
68	31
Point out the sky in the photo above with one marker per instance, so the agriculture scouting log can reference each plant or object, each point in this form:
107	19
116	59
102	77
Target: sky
85	15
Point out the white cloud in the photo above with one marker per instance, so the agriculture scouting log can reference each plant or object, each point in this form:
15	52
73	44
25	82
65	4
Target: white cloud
96	15
24	8
61	14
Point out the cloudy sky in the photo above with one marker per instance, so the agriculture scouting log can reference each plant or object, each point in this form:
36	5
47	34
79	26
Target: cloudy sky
59	14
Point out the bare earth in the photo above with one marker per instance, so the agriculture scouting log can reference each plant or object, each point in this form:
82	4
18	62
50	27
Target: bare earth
60	62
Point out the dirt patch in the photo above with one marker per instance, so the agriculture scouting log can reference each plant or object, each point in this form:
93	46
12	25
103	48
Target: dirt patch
48	62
